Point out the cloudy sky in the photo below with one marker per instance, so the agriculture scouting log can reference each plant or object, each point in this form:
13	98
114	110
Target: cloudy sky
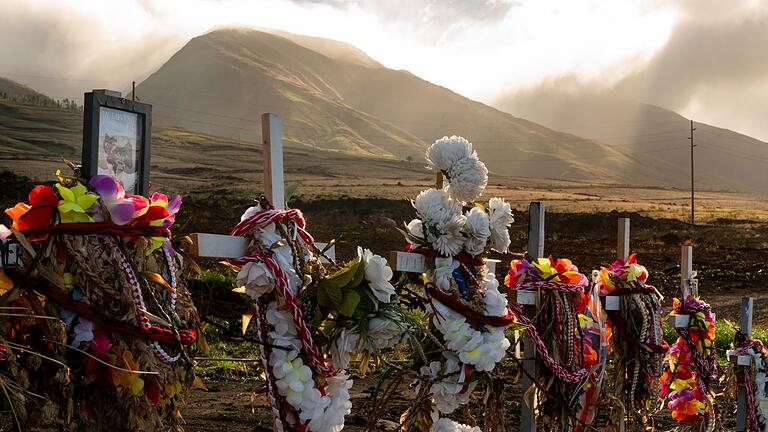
698	57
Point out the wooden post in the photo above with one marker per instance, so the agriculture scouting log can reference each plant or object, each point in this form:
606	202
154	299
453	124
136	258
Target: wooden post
741	399
535	250
686	271
686	282
271	133
438	180
622	246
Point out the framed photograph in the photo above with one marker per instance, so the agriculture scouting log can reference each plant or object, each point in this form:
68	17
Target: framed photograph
116	139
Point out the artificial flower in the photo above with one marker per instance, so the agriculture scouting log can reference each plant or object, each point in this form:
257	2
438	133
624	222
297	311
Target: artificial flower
500	214
83	332
378	274
120	207
448	425
38	214
255	279
5	283
477	230
342	346
416	230
5	232
380	333
75	203
467	176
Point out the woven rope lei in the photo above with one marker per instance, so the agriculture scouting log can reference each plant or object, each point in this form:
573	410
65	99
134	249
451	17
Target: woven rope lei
747	376
316	361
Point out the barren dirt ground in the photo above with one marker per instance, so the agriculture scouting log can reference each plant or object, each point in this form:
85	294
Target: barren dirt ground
729	254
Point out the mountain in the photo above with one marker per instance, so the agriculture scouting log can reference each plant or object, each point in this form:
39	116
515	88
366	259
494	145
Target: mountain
11	88
656	138
333	96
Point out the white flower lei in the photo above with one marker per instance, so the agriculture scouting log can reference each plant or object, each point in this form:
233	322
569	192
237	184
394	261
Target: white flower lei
294	379
481	349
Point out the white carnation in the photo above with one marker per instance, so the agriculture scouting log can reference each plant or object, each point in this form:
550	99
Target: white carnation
477	230
501	218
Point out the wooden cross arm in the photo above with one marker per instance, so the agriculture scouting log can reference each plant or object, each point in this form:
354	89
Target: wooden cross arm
206	245
408	262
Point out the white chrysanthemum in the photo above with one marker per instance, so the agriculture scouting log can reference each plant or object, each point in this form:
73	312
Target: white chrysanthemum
344	344
501	218
446	151
467	179
378	274
436	205
447	425
467	176
477	230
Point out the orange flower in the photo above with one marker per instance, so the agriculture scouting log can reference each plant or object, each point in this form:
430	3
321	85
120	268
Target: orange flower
16	212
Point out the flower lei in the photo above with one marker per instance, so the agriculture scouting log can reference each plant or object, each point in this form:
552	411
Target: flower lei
637	334
464	302
307	391
692	365
75	228
754	379
572	316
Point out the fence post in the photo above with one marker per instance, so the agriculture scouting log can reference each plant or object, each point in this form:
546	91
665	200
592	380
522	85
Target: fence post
535	250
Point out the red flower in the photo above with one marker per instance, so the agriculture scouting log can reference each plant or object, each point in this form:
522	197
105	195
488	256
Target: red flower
38	216
153	392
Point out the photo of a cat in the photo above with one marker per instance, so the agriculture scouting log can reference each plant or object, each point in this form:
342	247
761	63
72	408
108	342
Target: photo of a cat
118	146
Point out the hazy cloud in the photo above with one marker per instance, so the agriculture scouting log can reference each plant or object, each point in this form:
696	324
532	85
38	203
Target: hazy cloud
713	68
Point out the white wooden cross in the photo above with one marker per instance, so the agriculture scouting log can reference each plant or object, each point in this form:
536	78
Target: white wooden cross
528	300
613	303
688	285
206	245
743	360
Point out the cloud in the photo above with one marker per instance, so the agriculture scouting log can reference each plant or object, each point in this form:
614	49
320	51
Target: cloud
713	68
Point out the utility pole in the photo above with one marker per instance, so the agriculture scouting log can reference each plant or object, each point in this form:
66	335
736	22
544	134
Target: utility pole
133	91
693	203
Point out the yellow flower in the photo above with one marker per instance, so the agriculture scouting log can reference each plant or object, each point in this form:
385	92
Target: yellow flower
74	204
5	283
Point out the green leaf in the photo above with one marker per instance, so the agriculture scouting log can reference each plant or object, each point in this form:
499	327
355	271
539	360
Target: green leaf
335	296
323	299
342	277
351	300
367	305
290	191
359	275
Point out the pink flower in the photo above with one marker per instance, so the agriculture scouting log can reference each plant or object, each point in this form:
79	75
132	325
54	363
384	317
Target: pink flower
122	208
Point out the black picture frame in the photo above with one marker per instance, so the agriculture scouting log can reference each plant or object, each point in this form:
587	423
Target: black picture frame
106	110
